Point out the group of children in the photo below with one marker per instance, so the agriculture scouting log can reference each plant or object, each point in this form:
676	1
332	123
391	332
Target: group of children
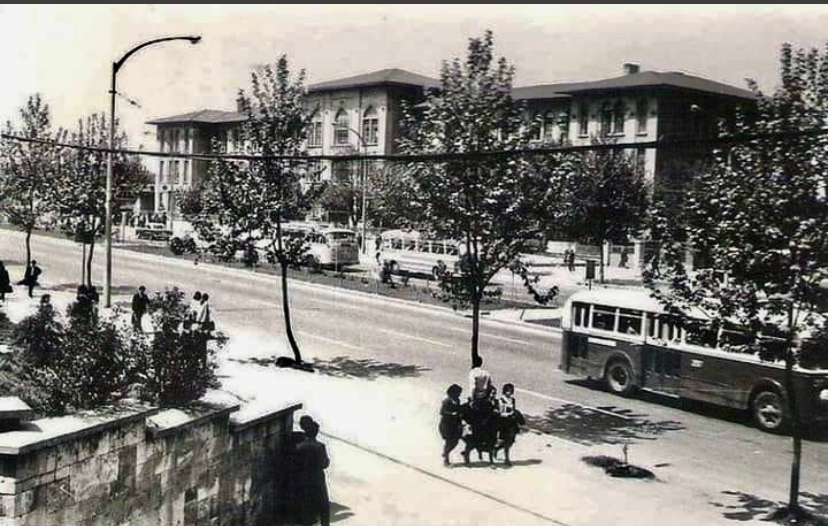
484	398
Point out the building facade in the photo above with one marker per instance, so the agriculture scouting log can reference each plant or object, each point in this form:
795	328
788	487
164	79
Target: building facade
363	114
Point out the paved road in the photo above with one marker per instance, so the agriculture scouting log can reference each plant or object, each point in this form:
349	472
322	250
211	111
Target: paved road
367	336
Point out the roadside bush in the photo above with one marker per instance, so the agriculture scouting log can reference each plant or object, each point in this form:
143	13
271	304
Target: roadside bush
39	336
181	364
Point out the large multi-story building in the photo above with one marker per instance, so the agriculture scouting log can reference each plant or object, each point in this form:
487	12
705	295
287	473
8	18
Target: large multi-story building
362	114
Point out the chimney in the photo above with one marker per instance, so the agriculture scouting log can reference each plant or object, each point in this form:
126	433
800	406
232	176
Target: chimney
631	68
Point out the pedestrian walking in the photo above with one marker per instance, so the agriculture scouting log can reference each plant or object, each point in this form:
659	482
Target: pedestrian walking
572	260
140	304
31	276
509	420
5	282
451	423
312	461
480	381
655	264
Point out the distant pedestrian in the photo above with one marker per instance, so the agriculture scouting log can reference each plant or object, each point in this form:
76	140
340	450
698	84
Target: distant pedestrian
140	304
655	264
312	461
192	312
378	248
571	262
625	257
451	423
5	282
31	276
204	317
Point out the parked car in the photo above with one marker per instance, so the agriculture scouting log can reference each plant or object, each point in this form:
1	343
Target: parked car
154	232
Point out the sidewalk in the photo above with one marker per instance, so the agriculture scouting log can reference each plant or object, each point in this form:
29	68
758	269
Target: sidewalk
386	465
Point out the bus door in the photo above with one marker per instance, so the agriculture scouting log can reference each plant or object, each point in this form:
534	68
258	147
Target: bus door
661	365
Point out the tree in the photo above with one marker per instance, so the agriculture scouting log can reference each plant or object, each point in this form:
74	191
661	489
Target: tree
758	217
608	198
391	197
26	169
493	205
244	204
78	189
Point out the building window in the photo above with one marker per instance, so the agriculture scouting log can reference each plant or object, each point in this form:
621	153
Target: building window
640	158
161	174
187	178
618	118
176	174
315	131
549	121
341	128
606	118
341	172
583	119
370	126
161	136
641	111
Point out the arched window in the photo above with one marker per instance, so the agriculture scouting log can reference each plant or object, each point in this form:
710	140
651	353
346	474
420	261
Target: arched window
370	126
315	131
618	118
341	128
550	119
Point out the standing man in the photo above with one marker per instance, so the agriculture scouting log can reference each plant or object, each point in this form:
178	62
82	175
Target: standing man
140	303
5	282
312	458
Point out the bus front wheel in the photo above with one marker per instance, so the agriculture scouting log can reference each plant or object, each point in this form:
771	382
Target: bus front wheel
619	378
768	409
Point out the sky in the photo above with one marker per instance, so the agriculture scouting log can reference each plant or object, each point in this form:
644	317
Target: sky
65	52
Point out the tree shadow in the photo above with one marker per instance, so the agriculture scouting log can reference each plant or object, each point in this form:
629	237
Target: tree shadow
347	367
748	507
604	426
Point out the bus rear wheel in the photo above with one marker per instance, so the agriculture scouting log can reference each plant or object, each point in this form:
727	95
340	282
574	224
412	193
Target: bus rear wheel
619	378
769	412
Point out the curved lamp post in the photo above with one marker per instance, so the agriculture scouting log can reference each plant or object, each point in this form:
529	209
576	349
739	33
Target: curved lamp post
116	66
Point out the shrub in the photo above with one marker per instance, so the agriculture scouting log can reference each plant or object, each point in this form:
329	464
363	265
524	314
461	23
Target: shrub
39	336
182	363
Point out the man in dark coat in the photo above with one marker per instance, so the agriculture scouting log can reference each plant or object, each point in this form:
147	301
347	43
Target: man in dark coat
140	302
312	461
5	282
33	272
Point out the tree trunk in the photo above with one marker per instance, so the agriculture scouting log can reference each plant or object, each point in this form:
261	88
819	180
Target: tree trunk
475	351
286	310
89	261
793	498
29	245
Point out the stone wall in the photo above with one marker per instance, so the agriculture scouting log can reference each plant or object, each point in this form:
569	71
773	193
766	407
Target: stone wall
199	466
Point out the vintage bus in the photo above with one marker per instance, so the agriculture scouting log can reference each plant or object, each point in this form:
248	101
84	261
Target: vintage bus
406	252
328	246
624	338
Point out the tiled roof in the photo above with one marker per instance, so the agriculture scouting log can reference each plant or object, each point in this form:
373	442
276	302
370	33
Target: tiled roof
644	79
395	76
202	117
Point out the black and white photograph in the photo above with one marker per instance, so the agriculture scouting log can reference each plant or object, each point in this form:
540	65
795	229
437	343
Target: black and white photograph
413	265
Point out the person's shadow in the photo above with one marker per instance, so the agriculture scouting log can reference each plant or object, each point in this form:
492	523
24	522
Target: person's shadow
340	512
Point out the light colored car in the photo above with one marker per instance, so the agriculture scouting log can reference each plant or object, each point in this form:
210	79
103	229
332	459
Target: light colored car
154	232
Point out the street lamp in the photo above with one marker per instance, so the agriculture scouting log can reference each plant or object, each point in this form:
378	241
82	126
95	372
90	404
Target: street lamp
364	182
116	66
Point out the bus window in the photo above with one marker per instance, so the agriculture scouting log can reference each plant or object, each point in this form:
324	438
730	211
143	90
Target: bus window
669	330
629	321
581	318
651	325
452	251
701	334
603	318
397	244
733	336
